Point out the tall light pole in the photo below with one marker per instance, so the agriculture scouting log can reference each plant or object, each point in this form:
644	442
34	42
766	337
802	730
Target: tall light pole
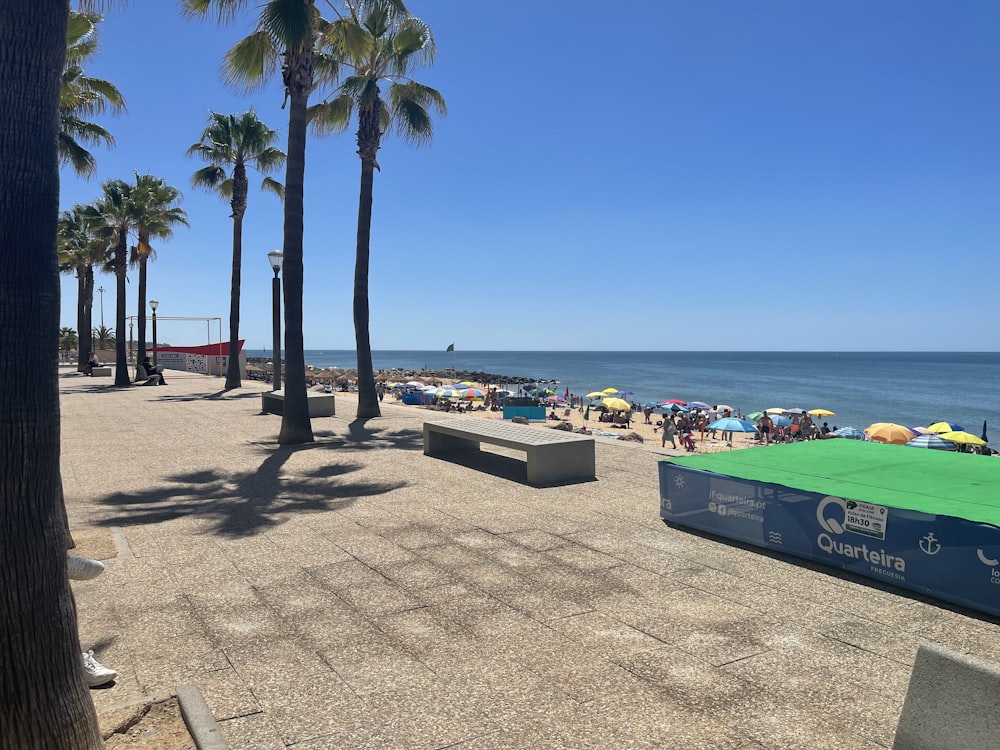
101	290
154	304
275	257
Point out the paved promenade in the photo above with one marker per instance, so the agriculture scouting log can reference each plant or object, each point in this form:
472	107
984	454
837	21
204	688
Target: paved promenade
355	593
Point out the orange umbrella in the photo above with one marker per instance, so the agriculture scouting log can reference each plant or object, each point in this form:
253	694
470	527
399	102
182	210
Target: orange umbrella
890	432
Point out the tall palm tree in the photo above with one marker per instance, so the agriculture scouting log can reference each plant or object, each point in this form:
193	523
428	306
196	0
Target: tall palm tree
155	216
380	42
43	701
236	141
286	32
115	215
82	96
79	250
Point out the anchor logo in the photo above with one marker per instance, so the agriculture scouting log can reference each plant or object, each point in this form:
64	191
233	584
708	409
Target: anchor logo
929	545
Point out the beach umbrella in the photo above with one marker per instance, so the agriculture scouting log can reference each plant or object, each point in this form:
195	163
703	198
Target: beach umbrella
698	405
946	427
921	431
795	411
775	410
889	432
673	407
624	393
755	415
674	401
960	436
934	442
851	433
596	394
983	436
780	420
732	424
610	391
472	393
617	404
821	413
725	407
586	414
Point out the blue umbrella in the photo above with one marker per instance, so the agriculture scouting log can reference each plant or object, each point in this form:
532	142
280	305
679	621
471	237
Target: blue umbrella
732	424
698	405
852	433
780	421
673	407
933	442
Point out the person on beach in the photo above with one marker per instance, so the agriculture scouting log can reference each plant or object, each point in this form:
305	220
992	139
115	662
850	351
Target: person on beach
669	431
766	425
92	362
648	413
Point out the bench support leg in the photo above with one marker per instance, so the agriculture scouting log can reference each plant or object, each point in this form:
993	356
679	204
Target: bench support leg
436	443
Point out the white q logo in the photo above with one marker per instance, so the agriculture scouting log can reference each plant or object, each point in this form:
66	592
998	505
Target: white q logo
831	525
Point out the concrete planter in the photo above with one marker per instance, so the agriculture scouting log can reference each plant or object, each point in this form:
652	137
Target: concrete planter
320	404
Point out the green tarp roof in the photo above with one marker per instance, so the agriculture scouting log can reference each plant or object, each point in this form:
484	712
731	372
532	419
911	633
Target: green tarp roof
940	482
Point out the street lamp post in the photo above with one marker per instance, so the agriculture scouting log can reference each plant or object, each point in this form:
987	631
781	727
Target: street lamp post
275	258
101	290
131	341
154	304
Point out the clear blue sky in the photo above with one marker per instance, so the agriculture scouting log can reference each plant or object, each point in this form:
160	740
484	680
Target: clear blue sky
654	174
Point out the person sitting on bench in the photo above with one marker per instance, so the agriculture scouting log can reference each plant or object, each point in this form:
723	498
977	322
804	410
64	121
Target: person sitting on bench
150	375
92	362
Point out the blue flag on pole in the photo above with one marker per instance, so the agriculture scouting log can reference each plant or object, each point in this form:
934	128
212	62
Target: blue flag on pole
451	347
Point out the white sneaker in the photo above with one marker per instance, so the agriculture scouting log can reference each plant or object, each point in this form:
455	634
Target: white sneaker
83	568
94	672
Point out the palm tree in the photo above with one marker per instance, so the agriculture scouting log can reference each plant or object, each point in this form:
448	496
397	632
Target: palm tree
103	337
115	216
82	96
380	41
67	339
237	141
155	216
79	250
45	704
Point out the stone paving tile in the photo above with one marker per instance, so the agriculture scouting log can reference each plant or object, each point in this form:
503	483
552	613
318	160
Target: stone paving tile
306	706
253	732
227	694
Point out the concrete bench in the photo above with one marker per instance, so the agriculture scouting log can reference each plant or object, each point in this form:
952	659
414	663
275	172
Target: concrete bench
319	404
553	456
952	701
101	372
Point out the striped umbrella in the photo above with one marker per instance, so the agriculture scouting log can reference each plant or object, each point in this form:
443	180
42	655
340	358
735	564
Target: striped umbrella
851	433
931	441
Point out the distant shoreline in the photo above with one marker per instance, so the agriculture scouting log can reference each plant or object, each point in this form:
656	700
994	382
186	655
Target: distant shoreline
402	374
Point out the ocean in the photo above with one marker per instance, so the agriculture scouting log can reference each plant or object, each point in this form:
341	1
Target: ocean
910	388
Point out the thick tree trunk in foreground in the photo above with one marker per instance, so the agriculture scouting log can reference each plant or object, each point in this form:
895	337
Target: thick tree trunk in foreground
43	700
369	140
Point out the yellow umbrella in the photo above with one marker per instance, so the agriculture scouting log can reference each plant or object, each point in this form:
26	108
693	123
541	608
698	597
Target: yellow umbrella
774	410
617	404
890	432
821	413
610	390
597	394
962	437
943	427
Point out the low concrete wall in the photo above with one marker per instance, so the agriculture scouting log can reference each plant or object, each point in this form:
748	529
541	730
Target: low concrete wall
952	701
320	404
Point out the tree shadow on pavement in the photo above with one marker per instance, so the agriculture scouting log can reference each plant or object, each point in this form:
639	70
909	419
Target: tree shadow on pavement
241	504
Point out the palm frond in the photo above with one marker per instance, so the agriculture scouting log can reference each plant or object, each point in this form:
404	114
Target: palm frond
251	61
333	116
271	185
210	177
289	22
224	10
72	153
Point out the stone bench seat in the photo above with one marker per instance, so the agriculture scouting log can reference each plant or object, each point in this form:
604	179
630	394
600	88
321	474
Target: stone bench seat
553	456
104	371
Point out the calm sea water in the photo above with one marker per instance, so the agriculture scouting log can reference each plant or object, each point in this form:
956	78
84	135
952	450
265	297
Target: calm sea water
911	388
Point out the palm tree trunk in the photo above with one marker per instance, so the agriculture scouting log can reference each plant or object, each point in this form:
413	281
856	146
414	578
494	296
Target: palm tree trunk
87	325
238	204
81	296
122	376
43	701
141	314
367	396
369	138
295	425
